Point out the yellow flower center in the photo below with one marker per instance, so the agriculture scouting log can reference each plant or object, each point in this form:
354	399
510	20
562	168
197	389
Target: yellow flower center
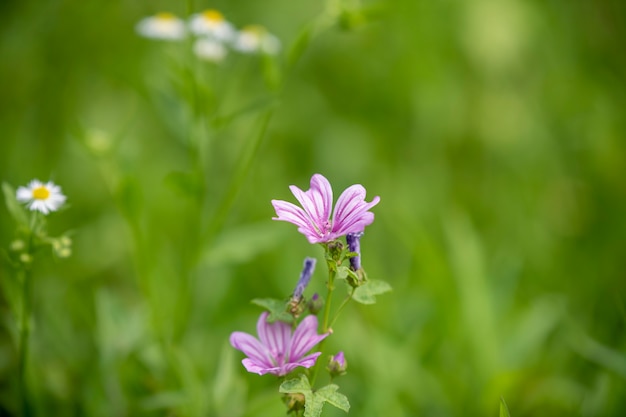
254	29
41	193
165	16
213	16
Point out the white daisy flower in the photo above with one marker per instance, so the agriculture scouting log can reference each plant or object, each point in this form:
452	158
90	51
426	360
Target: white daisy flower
41	197
209	50
211	23
254	39
164	26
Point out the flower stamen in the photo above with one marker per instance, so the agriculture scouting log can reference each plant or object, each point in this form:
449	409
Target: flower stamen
213	16
41	193
165	16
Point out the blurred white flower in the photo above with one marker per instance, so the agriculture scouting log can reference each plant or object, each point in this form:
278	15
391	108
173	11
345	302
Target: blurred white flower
163	25
211	23
254	39
209	49
41	197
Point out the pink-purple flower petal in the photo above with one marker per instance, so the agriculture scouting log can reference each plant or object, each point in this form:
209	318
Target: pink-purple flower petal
351	213
251	347
256	368
278	351
293	214
274	336
305	337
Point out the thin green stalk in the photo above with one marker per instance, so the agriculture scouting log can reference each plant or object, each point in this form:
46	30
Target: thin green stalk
343	304
24	337
238	178
320	348
331	286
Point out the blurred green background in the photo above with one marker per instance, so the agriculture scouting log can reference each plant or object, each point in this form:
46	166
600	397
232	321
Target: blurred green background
492	130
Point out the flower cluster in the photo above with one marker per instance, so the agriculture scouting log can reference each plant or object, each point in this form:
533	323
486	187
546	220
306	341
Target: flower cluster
213	36
40	198
284	338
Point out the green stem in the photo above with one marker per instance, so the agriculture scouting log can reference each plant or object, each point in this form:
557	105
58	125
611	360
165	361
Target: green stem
24	337
330	285
344	303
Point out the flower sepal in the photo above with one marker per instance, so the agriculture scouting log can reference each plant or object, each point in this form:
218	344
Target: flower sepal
353	278
335	252
296	306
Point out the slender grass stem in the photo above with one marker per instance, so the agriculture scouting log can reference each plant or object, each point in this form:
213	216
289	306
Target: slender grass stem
24	337
238	178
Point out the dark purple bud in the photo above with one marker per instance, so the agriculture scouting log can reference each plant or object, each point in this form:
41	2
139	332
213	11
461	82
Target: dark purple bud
315	304
354	245
305	277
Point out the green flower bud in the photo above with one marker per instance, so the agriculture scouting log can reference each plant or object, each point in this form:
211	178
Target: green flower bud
17	245
64	253
65	240
26	258
294	402
315	304
337	365
57	245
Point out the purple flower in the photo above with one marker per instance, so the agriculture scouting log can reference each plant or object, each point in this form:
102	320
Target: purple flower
278	351
354	245
351	213
305	277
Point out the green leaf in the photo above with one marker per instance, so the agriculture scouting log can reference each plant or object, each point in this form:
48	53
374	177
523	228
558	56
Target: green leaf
504	410
366	293
296	386
299	45
314	400
16	210
330	395
343	272
277	309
